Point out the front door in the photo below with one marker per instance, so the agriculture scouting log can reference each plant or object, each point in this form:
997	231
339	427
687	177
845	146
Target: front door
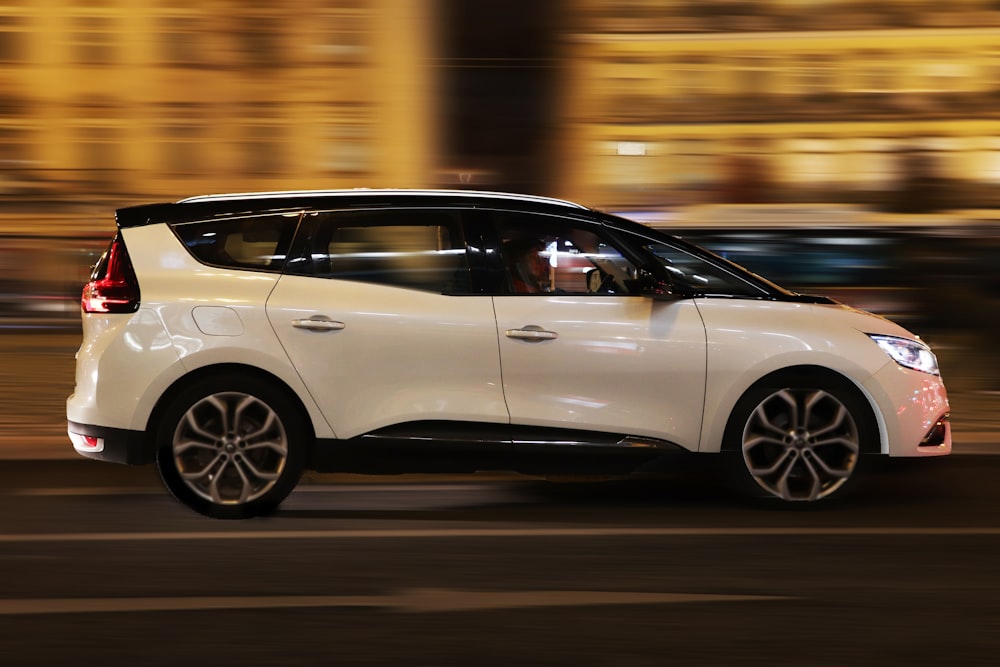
580	348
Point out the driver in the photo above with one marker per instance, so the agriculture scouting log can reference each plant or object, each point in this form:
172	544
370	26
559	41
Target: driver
527	267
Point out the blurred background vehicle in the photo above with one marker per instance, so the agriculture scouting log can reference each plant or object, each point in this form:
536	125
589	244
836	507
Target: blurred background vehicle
931	272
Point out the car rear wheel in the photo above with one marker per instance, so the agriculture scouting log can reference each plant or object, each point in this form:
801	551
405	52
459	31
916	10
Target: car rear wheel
800	438
230	447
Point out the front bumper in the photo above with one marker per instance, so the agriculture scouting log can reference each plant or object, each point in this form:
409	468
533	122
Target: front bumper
938	438
914	409
116	445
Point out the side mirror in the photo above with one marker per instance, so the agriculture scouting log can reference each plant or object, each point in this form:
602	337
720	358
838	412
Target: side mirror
649	285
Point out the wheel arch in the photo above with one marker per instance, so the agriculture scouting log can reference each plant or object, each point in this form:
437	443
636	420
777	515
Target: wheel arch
194	377
876	443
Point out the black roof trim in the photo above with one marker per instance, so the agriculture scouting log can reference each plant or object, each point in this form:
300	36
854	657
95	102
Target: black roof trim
201	208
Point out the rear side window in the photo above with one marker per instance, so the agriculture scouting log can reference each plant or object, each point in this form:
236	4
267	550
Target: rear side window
256	242
414	249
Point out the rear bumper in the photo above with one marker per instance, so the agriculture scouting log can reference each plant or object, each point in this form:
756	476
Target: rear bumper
112	444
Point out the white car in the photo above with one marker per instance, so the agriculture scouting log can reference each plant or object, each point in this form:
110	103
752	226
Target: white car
236	340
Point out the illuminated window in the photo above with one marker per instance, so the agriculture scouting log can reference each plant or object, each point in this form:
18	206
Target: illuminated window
11	39
992	72
815	78
943	73
15	149
264	149
694	77
871	164
987	164
12	105
814	161
259	40
348	139
94	40
100	157
182	154
343	35
181	40
694	163
874	72
753	75
631	166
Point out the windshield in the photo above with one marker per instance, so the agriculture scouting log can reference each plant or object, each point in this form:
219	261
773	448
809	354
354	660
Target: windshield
695	271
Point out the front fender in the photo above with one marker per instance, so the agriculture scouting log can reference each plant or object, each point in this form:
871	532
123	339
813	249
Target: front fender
741	351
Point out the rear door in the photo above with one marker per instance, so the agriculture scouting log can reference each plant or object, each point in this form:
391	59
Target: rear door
376	313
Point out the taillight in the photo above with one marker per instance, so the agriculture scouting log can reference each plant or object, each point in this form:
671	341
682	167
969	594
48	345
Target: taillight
113	287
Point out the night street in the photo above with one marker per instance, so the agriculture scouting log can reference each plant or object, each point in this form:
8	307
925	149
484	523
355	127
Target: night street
554	240
104	567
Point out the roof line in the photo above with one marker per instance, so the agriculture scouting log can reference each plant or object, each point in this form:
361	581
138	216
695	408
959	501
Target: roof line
373	192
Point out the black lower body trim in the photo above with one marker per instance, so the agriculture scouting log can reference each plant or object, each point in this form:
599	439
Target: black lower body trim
449	447
118	445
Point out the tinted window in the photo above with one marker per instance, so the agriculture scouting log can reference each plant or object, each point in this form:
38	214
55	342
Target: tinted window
259	242
692	274
545	254
416	249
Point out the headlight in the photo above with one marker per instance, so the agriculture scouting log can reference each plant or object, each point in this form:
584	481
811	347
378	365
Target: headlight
910	353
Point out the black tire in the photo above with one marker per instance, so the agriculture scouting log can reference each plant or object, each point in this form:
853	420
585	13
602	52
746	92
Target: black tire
800	436
231	446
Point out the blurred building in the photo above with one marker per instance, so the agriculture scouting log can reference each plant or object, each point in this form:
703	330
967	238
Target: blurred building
892	104
618	103
154	98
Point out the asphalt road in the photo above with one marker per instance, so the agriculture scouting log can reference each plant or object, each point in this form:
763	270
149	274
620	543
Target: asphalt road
105	568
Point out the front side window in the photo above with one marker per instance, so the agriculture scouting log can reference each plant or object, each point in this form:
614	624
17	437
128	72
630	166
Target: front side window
413	249
545	254
255	242
690	274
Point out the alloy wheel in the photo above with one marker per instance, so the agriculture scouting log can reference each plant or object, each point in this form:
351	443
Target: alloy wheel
800	444
230	448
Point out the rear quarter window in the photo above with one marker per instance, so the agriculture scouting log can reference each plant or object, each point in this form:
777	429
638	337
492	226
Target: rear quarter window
254	242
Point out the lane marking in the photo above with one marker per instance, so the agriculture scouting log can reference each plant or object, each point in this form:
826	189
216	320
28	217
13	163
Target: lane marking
434	533
43	492
421	600
302	489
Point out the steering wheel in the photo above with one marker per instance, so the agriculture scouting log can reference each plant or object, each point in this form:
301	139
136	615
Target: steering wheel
599	282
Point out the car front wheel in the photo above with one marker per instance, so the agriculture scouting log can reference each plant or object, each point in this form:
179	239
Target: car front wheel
800	438
230	447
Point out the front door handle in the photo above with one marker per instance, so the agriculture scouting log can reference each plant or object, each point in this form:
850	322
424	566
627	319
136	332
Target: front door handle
318	323
531	333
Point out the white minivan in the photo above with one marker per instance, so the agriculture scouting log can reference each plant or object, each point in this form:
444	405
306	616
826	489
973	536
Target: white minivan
237	340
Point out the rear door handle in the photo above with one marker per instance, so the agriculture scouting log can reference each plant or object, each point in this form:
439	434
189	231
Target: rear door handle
318	323
531	333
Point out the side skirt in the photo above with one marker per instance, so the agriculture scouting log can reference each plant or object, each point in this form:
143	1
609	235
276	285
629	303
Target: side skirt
450	447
